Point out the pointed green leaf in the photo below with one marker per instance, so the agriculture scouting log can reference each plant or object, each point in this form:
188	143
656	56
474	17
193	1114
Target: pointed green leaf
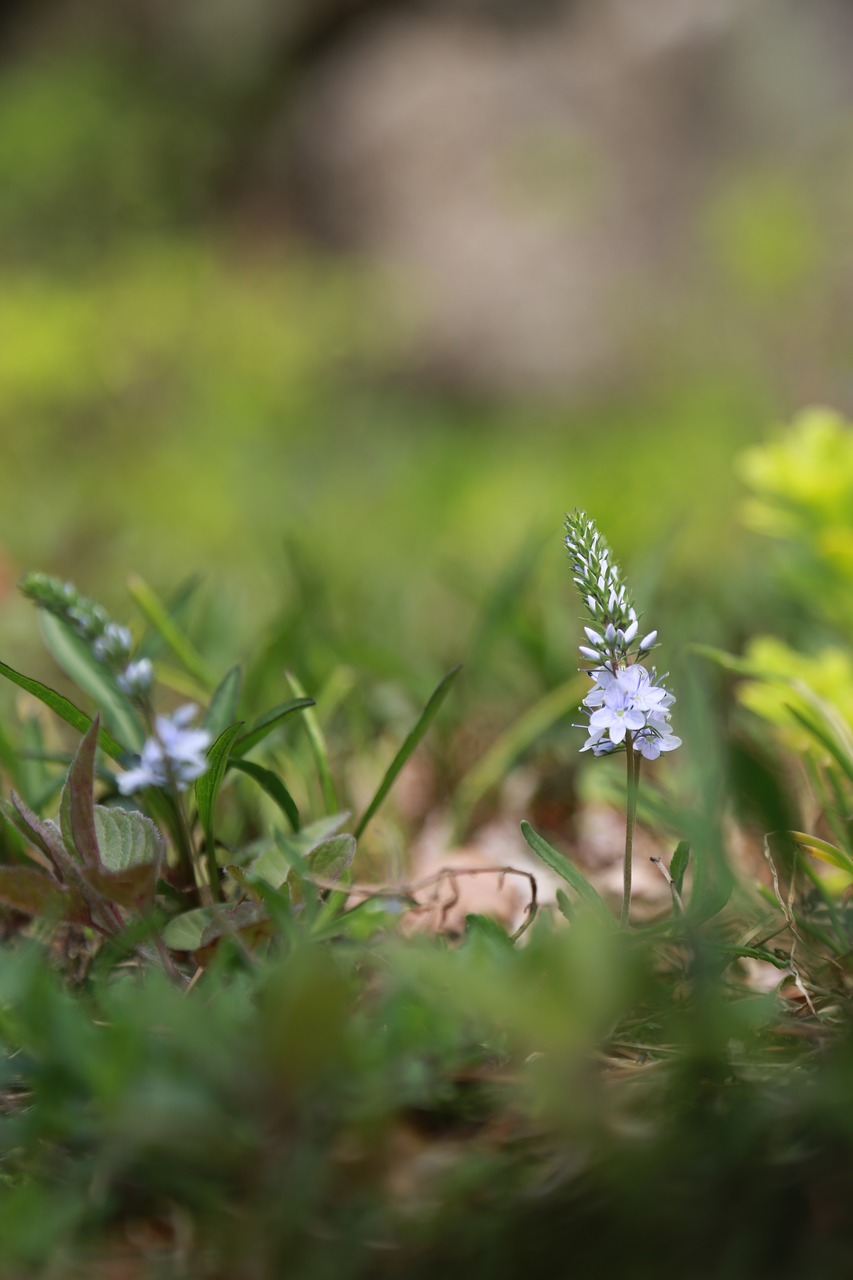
272	785
411	742
564	906
65	709
207	786
561	865
197	929
222	709
267	723
678	866
76	659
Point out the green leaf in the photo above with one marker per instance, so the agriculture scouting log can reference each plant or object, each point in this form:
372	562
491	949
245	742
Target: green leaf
159	618
77	802
195	930
477	926
561	865
267	723
76	659
274	865
65	710
37	894
185	932
331	858
678	866
272	785
300	843
412	740
564	906
207	786
824	850
222	709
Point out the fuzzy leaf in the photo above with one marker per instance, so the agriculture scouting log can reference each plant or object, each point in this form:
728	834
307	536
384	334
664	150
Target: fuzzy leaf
77	802
198	929
36	894
126	839
331	858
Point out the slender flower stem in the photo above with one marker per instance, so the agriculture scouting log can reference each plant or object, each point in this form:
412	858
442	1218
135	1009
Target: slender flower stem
633	765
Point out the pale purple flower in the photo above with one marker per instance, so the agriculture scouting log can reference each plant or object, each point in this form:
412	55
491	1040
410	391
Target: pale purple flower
174	755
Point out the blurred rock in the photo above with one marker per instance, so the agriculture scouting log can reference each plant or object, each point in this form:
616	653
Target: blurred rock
528	182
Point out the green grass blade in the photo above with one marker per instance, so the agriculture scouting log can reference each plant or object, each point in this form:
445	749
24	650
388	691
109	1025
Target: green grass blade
561	865
824	850
222	709
273	786
158	617
269	721
76	659
65	709
412	740
318	747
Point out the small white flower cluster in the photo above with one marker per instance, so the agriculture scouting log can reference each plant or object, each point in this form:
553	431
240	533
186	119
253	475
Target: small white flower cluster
174	755
626	703
629	701
110	643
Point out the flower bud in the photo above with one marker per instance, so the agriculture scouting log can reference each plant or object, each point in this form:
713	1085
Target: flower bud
648	641
593	637
592	655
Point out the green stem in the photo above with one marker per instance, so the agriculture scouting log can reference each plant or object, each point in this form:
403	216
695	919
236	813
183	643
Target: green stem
633	766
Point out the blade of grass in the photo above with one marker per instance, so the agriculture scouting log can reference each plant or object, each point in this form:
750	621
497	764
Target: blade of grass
158	617
412	739
318	746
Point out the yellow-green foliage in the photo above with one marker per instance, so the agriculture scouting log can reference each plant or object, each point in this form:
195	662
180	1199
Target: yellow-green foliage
802	488
786	679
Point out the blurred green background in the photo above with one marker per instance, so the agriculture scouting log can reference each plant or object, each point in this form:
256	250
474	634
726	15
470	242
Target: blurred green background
365	296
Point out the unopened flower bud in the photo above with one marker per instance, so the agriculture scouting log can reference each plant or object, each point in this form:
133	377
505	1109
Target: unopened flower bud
648	641
592	655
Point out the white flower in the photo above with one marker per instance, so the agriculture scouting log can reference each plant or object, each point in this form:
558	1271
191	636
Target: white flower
174	755
136	677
